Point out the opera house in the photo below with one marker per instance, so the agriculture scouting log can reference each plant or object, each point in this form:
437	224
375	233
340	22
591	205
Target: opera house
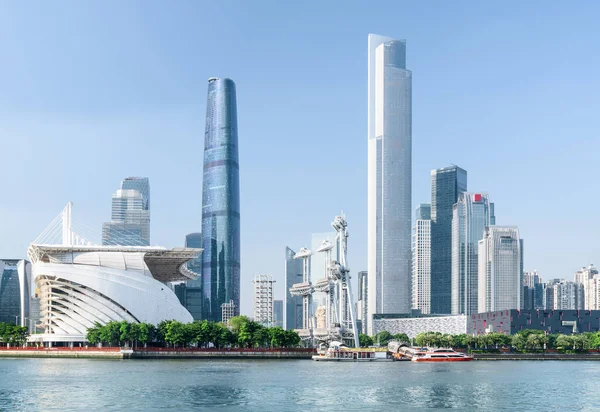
79	286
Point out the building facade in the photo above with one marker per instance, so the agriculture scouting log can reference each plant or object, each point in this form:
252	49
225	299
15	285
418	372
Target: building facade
500	269
293	304
389	176
263	299
10	295
588	277
509	322
446	184
471	214
130	215
318	265
413	325
421	266
220	201
278	313
362	304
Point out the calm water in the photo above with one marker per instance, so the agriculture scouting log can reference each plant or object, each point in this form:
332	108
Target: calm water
74	384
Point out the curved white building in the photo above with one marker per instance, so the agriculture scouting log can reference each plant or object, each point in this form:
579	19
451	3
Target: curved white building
80	286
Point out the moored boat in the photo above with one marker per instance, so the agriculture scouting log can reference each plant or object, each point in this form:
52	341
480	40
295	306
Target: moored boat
440	355
338	352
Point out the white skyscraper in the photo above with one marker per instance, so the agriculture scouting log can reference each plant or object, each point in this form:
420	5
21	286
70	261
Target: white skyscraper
588	278
389	177
500	270
421	269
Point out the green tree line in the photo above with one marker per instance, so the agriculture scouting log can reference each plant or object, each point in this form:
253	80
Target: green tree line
525	340
13	335
241	333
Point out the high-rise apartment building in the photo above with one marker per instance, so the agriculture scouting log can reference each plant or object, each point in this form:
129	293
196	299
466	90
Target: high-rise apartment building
228	311
585	276
278	313
446	184
500	269
389	177
471	214
263	299
421	266
130	215
567	295
362	303
220	201
533	291
293	304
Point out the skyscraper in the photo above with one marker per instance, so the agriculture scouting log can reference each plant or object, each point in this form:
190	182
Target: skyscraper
389	177
293	304
318	264
446	184
130	214
263	299
220	201
585	276
472	213
421	266
567	295
533	291
500	269
278	313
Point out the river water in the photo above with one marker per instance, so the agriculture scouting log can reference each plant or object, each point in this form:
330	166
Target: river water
287	385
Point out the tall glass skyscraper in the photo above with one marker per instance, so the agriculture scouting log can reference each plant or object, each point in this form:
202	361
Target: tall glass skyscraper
130	214
190	292
472	213
389	177
220	201
446	184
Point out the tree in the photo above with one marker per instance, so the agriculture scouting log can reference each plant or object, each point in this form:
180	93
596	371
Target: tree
564	342
146	333
235	323
277	337
401	338
176	334
382	338
364	340
93	334
518	341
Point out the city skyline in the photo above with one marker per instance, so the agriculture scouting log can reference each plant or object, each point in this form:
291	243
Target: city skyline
145	97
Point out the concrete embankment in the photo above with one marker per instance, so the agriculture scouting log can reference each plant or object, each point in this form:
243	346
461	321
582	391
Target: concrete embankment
536	356
215	354
52	353
158	353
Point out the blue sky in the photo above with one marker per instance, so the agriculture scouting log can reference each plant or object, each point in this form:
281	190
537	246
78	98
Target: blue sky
91	92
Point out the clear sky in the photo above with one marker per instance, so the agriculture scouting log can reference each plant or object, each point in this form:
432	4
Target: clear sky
92	92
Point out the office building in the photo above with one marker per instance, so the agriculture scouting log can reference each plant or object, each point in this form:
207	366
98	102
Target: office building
446	184
533	291
389	176
421	266
130	215
190	292
362	303
263	299
220	201
278	313
471	214
423	212
500	269
293	304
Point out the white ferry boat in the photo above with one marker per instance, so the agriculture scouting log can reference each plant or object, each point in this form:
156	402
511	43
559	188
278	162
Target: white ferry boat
339	352
440	355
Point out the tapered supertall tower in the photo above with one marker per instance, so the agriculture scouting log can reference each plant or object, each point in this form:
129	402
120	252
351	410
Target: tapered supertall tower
389	177
220	201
